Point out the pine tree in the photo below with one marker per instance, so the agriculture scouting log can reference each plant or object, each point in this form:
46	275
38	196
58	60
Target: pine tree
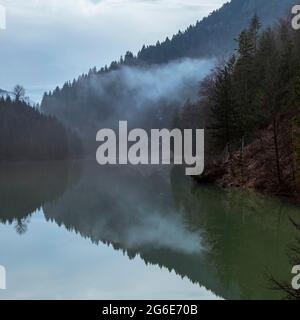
254	29
222	109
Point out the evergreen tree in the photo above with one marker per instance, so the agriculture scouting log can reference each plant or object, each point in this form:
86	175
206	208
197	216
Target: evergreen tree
223	104
26	134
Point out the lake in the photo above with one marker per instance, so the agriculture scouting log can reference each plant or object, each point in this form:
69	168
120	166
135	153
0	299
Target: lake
75	230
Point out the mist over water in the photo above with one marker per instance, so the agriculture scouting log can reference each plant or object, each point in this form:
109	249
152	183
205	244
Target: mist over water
141	88
173	82
146	96
73	227
151	222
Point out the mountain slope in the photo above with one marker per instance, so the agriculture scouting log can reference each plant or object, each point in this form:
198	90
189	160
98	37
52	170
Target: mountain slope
143	86
214	35
28	135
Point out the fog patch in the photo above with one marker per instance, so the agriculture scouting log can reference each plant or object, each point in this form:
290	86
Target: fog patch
146	96
163	232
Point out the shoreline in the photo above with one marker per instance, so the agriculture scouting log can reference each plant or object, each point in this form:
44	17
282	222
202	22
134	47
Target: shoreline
216	176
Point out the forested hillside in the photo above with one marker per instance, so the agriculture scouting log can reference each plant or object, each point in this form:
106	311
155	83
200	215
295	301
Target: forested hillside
253	100
215	34
102	97
26	134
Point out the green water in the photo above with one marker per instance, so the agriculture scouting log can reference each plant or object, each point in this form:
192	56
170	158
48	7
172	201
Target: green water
78	230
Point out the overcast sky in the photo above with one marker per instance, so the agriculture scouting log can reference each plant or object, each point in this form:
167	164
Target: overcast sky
47	42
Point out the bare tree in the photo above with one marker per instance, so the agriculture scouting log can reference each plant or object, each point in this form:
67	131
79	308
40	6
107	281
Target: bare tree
19	92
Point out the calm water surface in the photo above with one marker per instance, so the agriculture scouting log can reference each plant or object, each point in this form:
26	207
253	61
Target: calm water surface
81	231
